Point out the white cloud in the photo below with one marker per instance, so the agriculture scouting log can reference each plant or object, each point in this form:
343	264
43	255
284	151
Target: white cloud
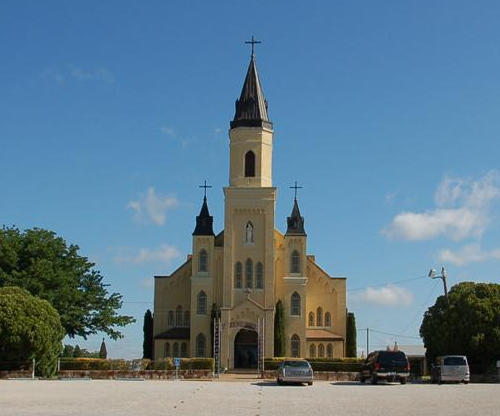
78	73
152	207
471	253
389	197
389	295
169	131
163	254
98	74
462	210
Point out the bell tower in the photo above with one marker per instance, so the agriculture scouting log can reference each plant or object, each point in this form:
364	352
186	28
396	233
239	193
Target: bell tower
250	198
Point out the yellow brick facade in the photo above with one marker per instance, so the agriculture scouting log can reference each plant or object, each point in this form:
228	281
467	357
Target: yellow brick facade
249	266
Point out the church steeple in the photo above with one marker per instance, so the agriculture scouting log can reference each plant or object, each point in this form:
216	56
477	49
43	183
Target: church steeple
295	222
251	107
204	221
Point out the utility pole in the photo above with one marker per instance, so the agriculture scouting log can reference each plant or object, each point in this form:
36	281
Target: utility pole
442	276
367	341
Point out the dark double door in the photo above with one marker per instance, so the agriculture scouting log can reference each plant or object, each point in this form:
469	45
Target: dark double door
245	349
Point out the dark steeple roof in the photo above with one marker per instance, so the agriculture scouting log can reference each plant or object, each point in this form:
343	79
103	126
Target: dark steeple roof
295	223
251	108
204	221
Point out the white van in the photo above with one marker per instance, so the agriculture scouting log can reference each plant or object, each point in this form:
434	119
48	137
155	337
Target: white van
451	368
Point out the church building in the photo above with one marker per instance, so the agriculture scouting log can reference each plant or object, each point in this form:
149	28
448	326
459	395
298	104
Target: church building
245	269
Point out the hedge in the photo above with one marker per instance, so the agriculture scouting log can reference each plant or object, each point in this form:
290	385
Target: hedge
135	365
321	364
102	364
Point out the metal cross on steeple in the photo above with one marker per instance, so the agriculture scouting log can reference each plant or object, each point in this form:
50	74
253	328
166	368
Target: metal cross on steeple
205	186
253	42
295	187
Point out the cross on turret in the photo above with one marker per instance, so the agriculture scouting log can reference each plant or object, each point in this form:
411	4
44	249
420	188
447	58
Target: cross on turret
253	42
205	186
295	187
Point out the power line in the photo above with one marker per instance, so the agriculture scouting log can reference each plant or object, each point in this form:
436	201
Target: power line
387	283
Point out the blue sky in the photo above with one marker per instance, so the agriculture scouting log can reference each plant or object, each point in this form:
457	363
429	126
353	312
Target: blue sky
388	113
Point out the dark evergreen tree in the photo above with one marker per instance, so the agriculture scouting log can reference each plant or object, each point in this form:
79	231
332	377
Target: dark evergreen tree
103	352
147	328
351	348
279	331
77	352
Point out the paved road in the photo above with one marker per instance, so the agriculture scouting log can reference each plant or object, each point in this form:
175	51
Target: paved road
245	397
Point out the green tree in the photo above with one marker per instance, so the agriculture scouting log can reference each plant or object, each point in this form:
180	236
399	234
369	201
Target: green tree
279	330
147	329
30	328
77	352
67	351
42	263
469	325
351	350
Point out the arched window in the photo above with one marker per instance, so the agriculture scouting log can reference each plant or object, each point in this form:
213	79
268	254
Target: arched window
311	319
176	349
321	351
295	345
259	276
178	316
203	261
295	304
170	321
184	349
328	319
249	273
201	305
249	164
238	275
319	317
187	320
200	345
329	351
295	262
312	351
167	350
249	235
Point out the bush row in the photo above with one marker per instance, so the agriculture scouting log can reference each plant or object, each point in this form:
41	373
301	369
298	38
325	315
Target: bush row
321	364
134	365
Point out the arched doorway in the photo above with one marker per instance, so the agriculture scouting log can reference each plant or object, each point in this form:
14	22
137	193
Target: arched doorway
245	349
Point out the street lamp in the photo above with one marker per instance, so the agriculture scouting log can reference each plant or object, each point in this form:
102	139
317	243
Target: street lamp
442	276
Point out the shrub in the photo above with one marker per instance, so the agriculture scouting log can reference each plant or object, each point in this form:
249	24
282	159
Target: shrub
30	328
163	364
135	365
102	364
197	364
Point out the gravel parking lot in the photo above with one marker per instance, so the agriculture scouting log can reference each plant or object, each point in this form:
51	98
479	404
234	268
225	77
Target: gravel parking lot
246	397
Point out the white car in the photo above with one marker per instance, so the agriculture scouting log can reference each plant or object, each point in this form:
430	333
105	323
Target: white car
295	371
451	368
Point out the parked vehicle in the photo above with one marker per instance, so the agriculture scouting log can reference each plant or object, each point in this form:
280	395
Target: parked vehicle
295	371
385	365
451	368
